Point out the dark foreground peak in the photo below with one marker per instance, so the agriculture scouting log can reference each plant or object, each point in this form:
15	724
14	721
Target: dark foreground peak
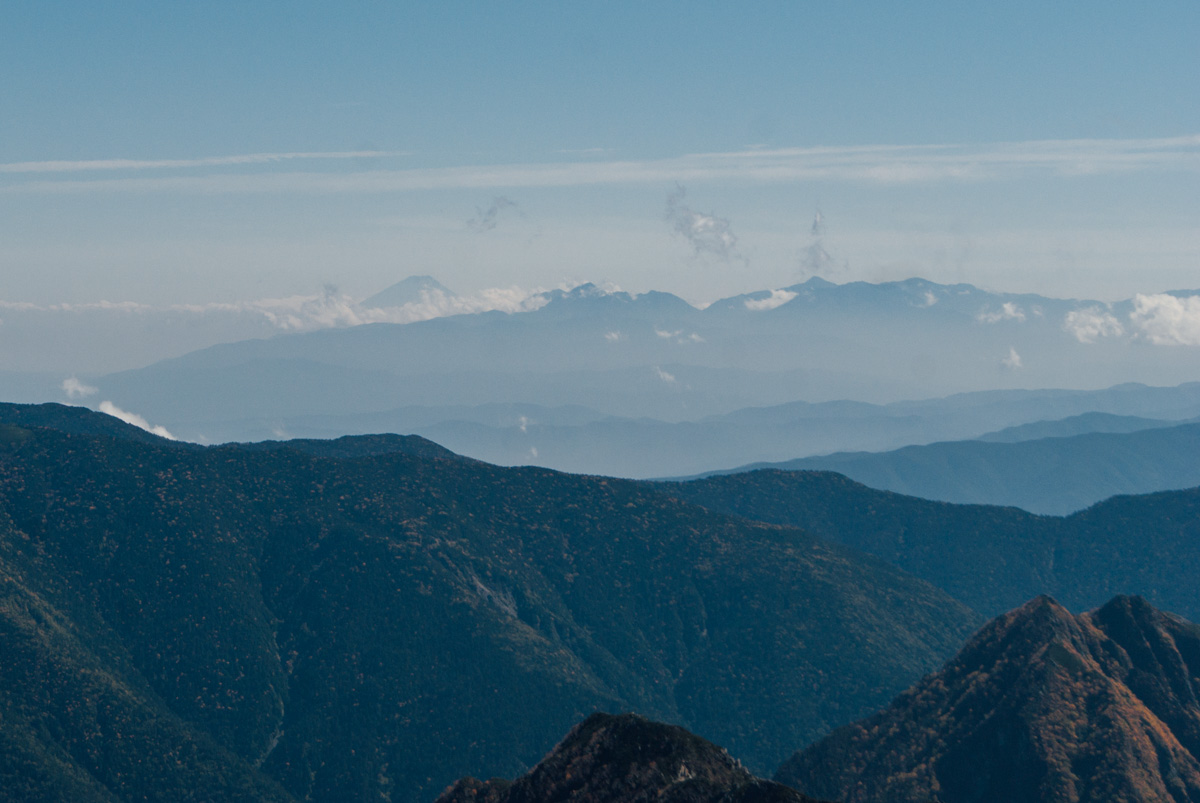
628	758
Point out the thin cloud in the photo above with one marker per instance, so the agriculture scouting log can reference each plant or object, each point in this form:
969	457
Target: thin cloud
64	166
815	260
707	234
1013	361
488	219
877	164
664	376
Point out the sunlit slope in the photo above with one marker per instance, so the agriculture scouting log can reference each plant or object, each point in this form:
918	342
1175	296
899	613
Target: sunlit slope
1040	705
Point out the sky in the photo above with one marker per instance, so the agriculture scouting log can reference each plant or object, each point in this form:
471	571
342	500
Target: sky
201	153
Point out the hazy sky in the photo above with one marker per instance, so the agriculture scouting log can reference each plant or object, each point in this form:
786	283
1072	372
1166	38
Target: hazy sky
173	153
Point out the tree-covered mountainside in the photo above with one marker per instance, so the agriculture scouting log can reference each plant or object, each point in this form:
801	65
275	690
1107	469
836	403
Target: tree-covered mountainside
1039	706
628	759
1052	475
991	558
270	622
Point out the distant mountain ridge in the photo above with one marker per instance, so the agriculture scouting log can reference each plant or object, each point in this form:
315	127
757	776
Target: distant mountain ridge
1040	705
991	558
1053	475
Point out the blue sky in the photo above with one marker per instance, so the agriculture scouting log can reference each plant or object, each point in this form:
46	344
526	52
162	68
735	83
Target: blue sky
272	148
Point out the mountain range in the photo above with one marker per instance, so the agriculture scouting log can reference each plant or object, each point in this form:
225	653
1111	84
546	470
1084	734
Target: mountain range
375	617
378	617
655	356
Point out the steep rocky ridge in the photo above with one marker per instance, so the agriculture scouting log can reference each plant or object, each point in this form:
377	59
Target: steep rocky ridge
1040	705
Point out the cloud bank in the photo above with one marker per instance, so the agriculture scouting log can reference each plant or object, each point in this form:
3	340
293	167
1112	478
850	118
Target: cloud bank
327	309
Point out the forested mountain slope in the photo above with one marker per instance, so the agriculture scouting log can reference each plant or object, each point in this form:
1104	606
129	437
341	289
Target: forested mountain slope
275	623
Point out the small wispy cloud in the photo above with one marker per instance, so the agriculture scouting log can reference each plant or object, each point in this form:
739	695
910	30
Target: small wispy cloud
708	235
488	219
1091	323
1012	361
108	408
664	376
815	260
76	389
678	336
612	337
776	299
1008	312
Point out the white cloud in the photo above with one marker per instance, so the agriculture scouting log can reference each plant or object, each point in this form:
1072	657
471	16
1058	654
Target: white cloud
136	420
612	337
76	389
777	299
930	299
523	424
664	376
1091	323
1008	312
1167	320
1013	361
